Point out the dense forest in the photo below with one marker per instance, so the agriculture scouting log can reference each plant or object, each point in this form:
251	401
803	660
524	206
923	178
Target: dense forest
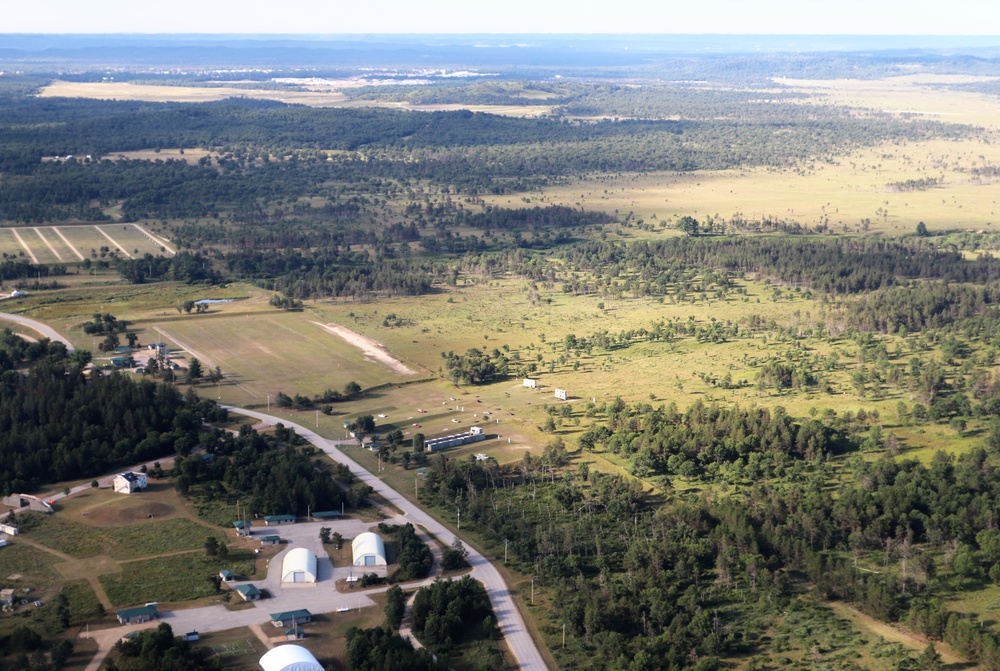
58	425
271	474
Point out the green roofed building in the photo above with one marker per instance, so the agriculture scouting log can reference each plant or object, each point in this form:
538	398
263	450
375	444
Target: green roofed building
327	515
291	618
274	520
249	592
136	615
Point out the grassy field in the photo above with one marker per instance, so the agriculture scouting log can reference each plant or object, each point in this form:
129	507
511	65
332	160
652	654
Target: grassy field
176	579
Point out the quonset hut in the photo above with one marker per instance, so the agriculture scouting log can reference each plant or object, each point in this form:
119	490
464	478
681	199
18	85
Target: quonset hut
298	566
368	550
289	658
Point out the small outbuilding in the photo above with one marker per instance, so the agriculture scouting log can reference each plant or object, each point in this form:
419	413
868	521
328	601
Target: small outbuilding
249	592
368	550
298	566
289	657
270	540
295	633
227	575
7	597
243	528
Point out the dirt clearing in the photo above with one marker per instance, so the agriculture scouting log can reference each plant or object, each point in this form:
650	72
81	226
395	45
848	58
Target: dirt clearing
374	351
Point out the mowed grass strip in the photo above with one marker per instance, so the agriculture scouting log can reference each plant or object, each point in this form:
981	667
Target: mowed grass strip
123	542
170	579
132	240
9	244
88	240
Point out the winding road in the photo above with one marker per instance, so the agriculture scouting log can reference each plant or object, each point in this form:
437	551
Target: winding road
511	623
46	330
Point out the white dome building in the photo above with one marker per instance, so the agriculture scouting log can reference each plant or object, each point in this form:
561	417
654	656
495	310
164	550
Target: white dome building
298	566
368	550
289	658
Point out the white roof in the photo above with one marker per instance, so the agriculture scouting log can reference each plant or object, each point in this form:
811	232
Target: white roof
368	544
298	559
289	658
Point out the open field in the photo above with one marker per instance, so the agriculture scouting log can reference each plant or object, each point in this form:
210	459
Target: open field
171	579
314	98
841	195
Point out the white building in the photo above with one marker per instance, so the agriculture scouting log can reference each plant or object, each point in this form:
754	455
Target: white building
126	483
530	383
298	566
561	394
289	657
368	550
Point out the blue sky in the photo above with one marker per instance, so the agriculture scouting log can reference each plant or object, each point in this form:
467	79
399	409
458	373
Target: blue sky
844	17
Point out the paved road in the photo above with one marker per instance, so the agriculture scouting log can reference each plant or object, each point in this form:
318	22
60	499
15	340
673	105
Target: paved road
46	330
510	620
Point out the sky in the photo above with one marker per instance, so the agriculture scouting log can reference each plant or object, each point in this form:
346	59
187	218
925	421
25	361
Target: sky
767	17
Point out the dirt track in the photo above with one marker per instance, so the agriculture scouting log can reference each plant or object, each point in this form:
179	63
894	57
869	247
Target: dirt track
372	349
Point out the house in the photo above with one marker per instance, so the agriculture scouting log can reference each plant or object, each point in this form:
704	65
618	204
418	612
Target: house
270	540
291	618
295	633
275	520
136	615
327	515
227	575
561	394
530	383
7	597
249	592
243	528
126	483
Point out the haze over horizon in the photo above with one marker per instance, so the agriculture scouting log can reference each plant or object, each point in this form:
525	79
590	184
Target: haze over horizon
641	17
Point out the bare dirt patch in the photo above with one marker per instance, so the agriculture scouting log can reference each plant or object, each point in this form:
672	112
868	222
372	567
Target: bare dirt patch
84	569
107	516
374	351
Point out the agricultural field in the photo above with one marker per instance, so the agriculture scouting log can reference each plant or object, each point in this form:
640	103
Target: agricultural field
72	244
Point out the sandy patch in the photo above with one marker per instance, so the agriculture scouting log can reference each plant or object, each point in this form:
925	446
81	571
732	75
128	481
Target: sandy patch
374	351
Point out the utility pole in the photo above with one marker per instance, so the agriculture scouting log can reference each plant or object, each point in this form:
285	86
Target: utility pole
459	518
532	590
269	402
504	551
